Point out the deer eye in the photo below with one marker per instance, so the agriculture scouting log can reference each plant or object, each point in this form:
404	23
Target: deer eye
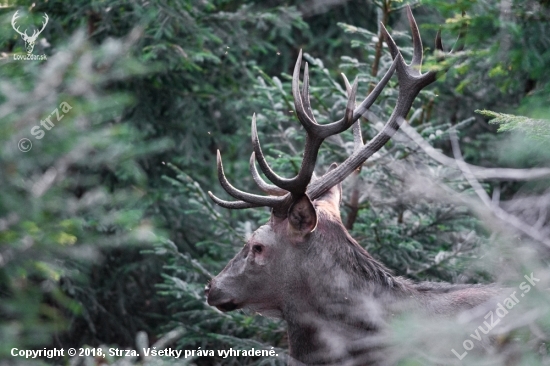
257	248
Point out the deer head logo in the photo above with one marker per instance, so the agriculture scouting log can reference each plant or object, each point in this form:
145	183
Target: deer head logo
29	40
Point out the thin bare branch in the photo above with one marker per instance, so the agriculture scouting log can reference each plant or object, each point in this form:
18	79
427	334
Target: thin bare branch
496	210
480	173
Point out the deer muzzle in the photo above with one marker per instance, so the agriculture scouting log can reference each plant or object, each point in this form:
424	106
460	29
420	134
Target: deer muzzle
216	297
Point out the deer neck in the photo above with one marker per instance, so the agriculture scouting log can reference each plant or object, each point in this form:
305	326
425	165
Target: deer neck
339	295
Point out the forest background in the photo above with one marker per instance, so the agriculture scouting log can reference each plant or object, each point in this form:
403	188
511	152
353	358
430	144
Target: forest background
107	236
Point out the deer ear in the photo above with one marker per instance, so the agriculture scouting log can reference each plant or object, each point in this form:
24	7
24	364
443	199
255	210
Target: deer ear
302	216
333	196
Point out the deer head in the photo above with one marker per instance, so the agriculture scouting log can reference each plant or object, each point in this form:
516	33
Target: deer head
303	262
29	40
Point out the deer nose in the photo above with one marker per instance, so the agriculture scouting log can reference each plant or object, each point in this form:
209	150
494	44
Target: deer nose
207	289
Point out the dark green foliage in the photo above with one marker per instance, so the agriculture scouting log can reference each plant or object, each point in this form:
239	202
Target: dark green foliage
534	128
61	214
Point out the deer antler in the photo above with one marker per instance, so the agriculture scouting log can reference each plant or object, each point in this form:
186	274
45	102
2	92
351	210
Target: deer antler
411	81
36	33
44	23
13	19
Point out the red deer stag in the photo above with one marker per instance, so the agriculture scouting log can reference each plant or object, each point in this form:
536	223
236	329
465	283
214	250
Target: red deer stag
303	266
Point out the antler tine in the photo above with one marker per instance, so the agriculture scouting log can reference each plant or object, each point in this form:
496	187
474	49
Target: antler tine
305	94
301	112
350	107
232	205
417	41
411	81
267	188
357	135
44	23
438	42
394	50
346	83
244	196
13	19
279	181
